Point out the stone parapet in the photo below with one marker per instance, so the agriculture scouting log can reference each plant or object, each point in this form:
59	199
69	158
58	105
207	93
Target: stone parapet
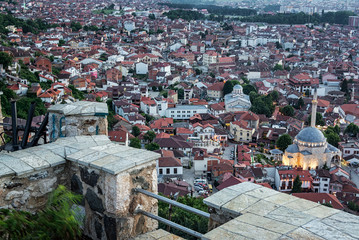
103	172
263	213
76	119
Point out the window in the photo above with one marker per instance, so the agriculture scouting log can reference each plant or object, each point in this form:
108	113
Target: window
172	111
161	171
175	170
188	111
194	111
168	171
172	115
324	189
183	111
325	185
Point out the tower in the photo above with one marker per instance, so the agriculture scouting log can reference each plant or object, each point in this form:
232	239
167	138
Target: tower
1	121
353	94
314	108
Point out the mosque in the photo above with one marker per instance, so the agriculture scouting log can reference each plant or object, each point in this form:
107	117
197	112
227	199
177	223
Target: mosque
237	100
310	149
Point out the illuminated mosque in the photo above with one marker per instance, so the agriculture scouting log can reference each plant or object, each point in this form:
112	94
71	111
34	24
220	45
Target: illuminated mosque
310	149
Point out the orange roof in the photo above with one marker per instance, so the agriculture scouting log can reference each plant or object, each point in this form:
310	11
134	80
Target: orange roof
163	135
183	131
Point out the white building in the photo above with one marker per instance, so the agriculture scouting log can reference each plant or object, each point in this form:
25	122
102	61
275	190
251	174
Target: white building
185	111
169	167
237	100
141	68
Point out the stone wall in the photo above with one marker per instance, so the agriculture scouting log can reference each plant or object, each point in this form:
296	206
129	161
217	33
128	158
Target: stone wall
104	173
110	203
29	192
77	119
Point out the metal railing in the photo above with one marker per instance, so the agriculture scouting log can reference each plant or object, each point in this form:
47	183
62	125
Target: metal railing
177	204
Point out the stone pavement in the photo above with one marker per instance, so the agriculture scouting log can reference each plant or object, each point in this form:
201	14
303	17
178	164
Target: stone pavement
264	213
158	235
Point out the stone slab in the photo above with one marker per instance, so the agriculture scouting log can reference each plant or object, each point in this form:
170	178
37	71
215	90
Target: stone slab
321	211
99	163
326	231
220	198
290	216
266	223
344	222
50	157
35	162
248	230
301	204
238	204
5	170
262	193
302	234
261	207
15	164
86	160
118	167
80	154
224	234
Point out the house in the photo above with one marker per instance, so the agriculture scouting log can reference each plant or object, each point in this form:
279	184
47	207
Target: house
44	64
148	106
141	68
121	136
322	198
202	162
215	90
285	176
241	131
171	188
163	125
169	167
175	143
349	148
217	108
321	181
19	88
183	112
204	132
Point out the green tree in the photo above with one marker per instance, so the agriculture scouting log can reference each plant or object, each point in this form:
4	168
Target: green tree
56	221
183	217
284	141
135	143
352	129
152	146
300	103
154	88
353	206
180	93
318	121
247	88
160	88
75	26
136	131
274	95
61	42
152	16
5	59
278	67
297	185
227	88
332	138
344	86
287	110
149	136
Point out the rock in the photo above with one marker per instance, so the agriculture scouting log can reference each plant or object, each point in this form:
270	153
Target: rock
110	228
99	190
76	185
89	178
98	229
13	194
94	201
39	175
46	185
25	197
141	180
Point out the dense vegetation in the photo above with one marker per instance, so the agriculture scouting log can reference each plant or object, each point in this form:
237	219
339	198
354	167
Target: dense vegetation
340	17
185	218
33	26
272	8
263	104
186	15
213	9
56	221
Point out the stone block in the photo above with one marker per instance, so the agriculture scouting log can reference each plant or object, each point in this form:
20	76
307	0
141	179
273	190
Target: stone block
89	178
15	164
290	216
13	194
238	204
303	234
220	198
327	231
110	228
94	202
261	207
35	162
5	170
76	185
321	211
98	229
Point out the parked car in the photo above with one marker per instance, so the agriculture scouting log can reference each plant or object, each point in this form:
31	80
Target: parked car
198	188
202	192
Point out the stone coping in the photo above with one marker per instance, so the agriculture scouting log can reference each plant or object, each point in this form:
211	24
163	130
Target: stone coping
92	151
83	108
264	213
159	234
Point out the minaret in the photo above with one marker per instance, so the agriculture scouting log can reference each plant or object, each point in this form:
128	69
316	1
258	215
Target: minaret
353	94
314	108
1	121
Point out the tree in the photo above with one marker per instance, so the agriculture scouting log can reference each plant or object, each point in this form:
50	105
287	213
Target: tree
297	185
300	103
149	136
154	88
228	87
152	16
274	95
247	88
61	42
160	88
152	146
287	110
135	143
352	129
318	121
278	67
56	221
284	141
353	206
5	59
180	93
136	131
344	86
183	217
75	26
333	138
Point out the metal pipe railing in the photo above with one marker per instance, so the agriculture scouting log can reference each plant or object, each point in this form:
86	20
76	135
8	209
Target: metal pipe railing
171	224
174	203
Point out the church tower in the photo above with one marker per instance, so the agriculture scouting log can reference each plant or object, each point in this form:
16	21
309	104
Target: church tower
314	108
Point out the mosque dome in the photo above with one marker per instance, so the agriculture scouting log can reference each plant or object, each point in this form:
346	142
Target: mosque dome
310	135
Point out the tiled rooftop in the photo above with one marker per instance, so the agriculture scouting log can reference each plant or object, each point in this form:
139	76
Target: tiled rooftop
263	213
94	151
